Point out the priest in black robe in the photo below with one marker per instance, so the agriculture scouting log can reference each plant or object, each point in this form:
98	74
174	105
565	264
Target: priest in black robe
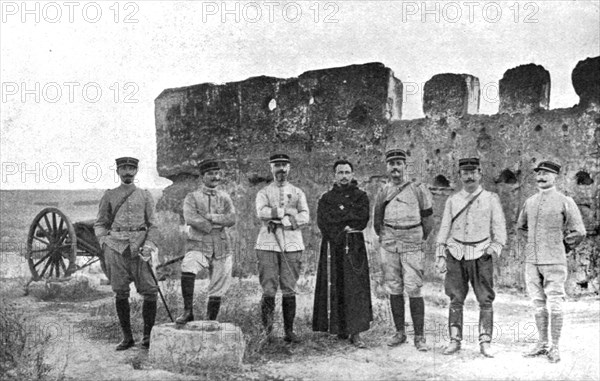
344	306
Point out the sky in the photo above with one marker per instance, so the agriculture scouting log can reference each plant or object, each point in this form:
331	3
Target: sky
79	78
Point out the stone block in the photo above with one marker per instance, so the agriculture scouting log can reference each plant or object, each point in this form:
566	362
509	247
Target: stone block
197	344
586	80
447	95
70	288
524	89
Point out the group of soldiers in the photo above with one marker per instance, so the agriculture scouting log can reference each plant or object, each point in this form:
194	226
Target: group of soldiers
470	238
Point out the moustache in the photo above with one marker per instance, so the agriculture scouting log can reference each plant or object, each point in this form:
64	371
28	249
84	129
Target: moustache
541	181
469	181
280	172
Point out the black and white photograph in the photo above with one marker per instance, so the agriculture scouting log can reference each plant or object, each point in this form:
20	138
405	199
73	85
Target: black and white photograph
300	190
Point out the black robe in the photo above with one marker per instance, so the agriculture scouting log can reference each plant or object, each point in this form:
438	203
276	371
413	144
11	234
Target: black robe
350	305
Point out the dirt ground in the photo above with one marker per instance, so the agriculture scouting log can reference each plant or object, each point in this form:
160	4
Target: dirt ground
75	355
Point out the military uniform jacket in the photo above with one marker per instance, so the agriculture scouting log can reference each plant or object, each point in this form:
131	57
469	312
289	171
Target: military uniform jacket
210	237
136	213
399	226
546	217
293	200
479	226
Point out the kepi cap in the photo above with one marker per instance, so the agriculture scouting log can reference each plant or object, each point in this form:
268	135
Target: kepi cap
209	165
469	163
279	158
127	161
395	154
548	166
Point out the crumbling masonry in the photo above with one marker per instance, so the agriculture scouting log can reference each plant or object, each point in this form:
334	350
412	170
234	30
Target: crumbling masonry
355	112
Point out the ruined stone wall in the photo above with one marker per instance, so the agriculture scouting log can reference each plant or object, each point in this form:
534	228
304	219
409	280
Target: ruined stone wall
354	112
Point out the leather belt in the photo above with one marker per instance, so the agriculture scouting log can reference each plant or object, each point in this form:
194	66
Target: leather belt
471	243
407	227
129	229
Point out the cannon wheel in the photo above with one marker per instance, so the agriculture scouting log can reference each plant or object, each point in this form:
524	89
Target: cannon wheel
51	245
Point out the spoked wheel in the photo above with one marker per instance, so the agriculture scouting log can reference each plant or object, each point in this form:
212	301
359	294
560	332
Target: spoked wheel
51	245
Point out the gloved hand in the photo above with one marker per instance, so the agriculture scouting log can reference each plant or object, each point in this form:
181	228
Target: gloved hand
149	253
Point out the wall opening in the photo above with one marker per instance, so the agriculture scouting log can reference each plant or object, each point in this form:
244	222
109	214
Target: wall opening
506	177
583	178
359	114
441	181
538	128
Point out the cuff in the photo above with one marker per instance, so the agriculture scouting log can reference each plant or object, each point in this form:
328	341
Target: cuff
497	247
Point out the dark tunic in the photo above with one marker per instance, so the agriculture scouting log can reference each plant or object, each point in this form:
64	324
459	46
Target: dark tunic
350	291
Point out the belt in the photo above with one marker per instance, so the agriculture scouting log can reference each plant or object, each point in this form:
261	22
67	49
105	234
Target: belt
471	243
129	229
407	227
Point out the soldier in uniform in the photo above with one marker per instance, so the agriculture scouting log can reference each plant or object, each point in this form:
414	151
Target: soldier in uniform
548	218
342	302
472	230
403	219
283	209
127	232
208	212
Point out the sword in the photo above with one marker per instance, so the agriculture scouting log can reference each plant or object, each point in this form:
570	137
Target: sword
329	286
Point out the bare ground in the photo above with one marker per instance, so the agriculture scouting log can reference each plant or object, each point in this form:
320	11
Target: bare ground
75	353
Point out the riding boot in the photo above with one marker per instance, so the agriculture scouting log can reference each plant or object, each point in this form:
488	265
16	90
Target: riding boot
187	291
417	311
455	324
288	305
267	308
122	306
397	304
486	326
213	306
149	315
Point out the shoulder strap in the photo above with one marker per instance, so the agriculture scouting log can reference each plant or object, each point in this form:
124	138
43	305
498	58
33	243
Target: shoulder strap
396	193
113	215
465	207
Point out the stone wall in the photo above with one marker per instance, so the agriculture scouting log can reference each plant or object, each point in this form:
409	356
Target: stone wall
355	112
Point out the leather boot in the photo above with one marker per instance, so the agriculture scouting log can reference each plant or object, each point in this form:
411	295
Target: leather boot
541	347
122	306
187	291
267	307
417	312
486	326
213	306
455	323
288	305
397	304
149	315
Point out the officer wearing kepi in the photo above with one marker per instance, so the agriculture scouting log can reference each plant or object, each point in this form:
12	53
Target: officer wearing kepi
403	219
283	209
208	212
548	218
127	232
472	230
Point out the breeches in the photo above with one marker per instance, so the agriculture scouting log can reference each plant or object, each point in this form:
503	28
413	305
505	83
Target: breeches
546	283
122	269
479	272
402	271
277	269
219	270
